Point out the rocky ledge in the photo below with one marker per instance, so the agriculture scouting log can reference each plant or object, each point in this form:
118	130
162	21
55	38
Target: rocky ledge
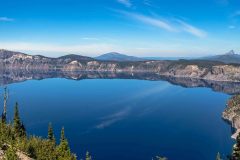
198	69
232	114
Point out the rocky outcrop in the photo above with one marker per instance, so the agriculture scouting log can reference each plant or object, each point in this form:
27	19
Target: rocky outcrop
207	70
232	114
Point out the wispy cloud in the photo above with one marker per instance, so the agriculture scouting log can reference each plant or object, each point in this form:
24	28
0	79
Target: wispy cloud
170	24
126	3
90	38
192	29
6	19
151	21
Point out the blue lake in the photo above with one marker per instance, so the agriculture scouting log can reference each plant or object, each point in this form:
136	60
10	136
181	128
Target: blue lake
126	119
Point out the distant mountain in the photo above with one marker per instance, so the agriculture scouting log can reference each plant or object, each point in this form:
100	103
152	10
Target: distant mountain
114	56
74	57
230	57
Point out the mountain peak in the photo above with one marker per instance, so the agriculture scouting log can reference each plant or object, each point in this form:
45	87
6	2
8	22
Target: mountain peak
230	53
229	57
76	57
114	53
115	56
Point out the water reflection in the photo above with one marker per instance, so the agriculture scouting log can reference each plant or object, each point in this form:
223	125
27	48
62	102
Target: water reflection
15	76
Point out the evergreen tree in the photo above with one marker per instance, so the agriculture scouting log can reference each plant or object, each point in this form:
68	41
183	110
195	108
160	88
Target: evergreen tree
16	120
23	131
63	149
3	118
50	133
62	135
88	156
13	138
236	149
218	156
18	127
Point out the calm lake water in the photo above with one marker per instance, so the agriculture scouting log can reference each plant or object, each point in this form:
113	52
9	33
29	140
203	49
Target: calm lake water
126	119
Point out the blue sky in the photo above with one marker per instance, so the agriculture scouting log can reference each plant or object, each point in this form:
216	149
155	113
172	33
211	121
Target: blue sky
135	27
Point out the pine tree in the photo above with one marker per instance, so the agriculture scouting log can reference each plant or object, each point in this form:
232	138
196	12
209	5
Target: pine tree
18	127
88	156
62	135
50	133
218	156
236	149
16	120
51	143
23	131
63	149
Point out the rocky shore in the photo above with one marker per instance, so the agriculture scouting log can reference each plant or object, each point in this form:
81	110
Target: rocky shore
198	69
232	114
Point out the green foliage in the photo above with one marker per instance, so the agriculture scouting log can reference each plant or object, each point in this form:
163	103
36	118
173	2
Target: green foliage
41	149
88	156
10	154
13	138
62	135
51	136
3	118
160	158
63	149
236	149
18	127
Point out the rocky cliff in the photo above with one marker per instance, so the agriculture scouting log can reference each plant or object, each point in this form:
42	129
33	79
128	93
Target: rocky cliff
232	114
200	69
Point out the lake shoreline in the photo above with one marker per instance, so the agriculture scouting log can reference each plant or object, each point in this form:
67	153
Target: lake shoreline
232	114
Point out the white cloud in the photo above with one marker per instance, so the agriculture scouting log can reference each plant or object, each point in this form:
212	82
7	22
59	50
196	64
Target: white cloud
151	21
126	3
192	29
171	25
90	38
6	19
